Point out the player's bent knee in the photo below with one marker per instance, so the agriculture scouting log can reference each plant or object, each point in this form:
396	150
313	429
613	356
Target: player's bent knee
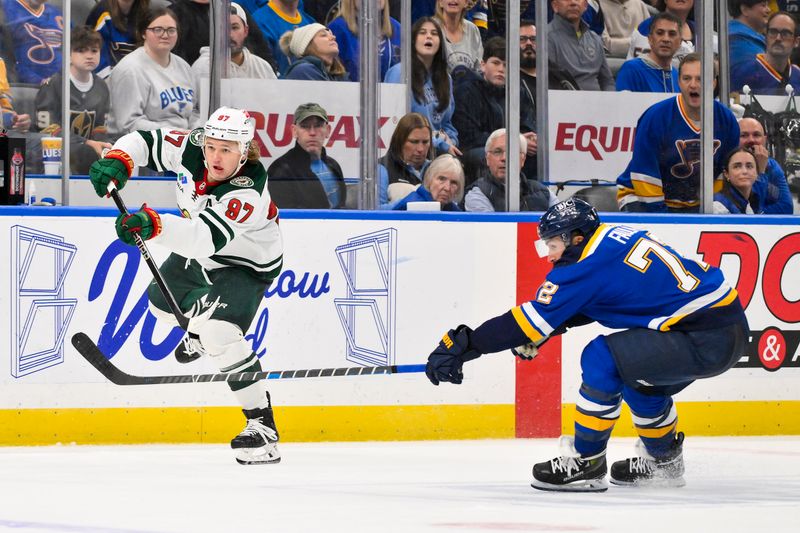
599	370
224	342
162	314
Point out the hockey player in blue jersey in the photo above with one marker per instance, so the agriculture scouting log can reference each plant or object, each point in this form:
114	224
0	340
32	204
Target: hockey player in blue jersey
664	171
679	321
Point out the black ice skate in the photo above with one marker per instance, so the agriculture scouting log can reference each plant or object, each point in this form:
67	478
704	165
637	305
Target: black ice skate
189	349
570	472
257	443
646	470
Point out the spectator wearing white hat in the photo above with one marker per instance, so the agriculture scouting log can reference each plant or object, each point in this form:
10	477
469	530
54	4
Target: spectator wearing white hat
243	64
314	53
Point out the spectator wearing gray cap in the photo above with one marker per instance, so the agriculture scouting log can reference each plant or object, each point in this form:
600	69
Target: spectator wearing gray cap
314	53
305	177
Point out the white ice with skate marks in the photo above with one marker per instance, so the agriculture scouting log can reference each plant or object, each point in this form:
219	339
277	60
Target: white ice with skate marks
745	484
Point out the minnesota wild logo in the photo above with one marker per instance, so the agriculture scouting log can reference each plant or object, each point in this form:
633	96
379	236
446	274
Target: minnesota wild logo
196	137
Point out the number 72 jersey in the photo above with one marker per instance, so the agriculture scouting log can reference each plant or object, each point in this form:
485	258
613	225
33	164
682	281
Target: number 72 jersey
625	278
224	224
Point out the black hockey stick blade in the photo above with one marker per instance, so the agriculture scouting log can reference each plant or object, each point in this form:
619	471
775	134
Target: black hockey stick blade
89	350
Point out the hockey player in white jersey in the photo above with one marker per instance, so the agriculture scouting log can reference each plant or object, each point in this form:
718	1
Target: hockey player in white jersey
226	249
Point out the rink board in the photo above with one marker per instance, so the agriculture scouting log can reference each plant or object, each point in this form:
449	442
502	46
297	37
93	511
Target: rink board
359	289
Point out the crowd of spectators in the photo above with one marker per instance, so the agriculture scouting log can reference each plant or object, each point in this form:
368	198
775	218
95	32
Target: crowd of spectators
153	60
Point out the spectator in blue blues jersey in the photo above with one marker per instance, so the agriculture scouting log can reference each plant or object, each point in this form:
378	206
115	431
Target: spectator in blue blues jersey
35	29
664	172
772	71
682	9
443	182
678	318
740	192
314	53
431	84
777	198
654	72
275	19
116	21
746	30
345	28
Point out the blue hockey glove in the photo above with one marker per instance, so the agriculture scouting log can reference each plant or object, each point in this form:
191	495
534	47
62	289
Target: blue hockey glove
445	363
116	166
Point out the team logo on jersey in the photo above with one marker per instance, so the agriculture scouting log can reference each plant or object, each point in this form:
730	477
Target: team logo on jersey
196	137
242	181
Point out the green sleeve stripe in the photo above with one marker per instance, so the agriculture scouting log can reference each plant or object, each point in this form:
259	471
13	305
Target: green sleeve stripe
217	236
237	260
160	141
148	139
221	221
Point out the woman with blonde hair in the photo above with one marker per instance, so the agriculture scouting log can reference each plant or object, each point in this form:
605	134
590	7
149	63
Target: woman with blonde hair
462	38
314	54
345	28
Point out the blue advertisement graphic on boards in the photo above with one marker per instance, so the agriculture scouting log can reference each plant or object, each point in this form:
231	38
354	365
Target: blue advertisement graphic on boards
40	313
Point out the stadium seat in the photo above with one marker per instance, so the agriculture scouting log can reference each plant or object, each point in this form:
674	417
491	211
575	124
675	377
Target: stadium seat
602	197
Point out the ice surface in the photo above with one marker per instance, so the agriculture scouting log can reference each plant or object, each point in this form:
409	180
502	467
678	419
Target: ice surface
745	484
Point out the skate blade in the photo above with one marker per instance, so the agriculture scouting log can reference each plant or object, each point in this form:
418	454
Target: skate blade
264	455
656	483
591	485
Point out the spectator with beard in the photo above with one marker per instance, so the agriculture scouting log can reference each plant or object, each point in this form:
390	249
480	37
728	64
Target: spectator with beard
243	64
527	67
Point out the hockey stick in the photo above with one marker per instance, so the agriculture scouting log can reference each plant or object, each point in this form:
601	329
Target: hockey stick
88	349
183	322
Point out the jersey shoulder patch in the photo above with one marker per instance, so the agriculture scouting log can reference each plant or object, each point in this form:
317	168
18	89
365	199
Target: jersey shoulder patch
242	181
196	136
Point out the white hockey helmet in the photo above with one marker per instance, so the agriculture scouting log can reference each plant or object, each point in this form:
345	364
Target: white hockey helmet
231	124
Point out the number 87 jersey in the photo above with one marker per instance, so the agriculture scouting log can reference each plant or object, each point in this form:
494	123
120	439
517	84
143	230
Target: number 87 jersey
232	223
625	278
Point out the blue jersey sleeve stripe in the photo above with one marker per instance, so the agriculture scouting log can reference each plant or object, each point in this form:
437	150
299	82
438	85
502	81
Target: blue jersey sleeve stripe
526	326
663	323
536	319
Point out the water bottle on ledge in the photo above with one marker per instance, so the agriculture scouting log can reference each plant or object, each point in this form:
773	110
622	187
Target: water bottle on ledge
12	170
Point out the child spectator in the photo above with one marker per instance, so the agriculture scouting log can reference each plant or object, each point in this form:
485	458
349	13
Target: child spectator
89	99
